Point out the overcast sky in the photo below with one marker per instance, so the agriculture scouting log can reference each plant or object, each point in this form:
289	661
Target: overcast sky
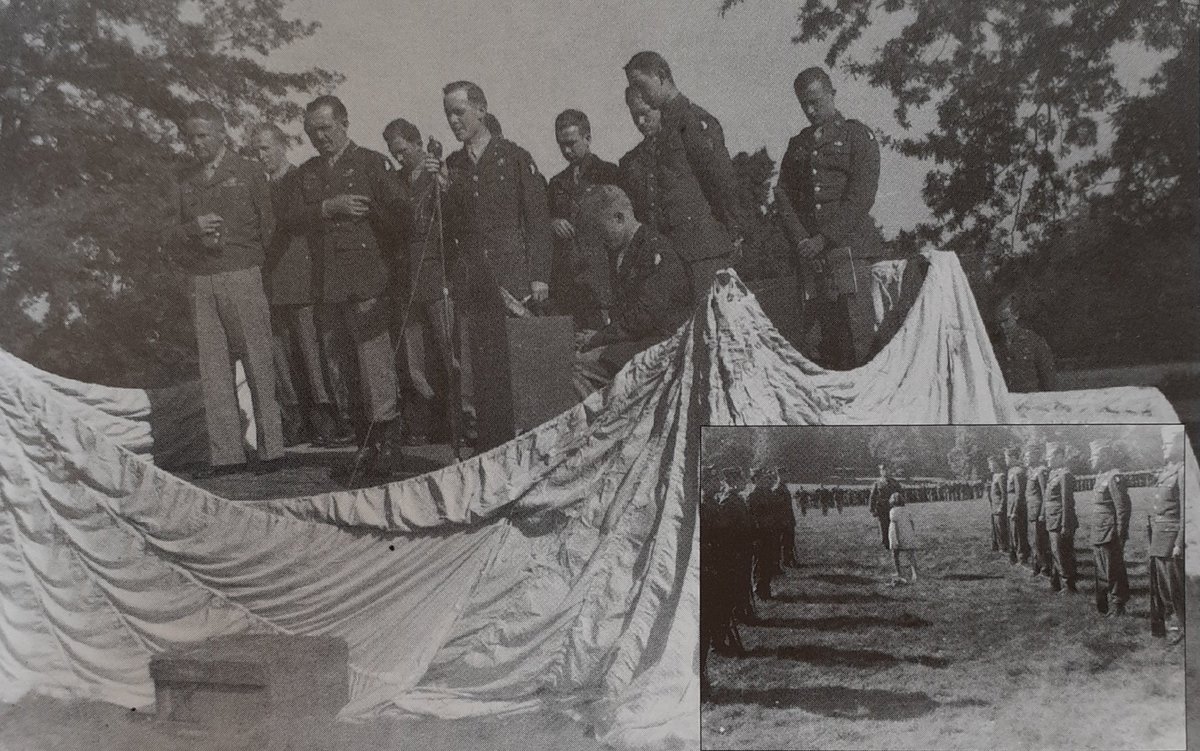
535	58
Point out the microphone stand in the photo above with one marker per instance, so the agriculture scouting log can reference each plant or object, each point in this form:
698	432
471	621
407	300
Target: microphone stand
451	360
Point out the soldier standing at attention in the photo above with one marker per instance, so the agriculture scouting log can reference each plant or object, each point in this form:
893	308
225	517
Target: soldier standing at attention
699	206
1058	508
580	283
497	213
997	495
1167	611
347	201
221	227
1035	491
636	168
1018	527
827	183
1111	509
879	500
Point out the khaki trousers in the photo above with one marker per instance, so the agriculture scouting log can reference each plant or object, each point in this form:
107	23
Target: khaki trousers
231	315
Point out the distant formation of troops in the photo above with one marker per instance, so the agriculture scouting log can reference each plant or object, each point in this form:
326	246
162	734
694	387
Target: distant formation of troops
363	299
1034	520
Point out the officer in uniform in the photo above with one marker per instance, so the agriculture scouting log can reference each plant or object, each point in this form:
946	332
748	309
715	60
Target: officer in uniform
424	311
636	168
1111	509
1167	611
345	200
698	201
221	226
652	297
997	494
881	495
1024	357
288	278
1036	475
580	281
497	214
1058	511
827	184
1018	527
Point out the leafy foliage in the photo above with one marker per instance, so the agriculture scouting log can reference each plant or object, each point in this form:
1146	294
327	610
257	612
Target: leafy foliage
89	94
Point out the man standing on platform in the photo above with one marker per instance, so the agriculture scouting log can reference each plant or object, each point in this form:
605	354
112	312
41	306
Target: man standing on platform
290	290
651	296
497	213
1024	357
998	503
580	282
699	206
1036	476
827	183
1167	610
1111	509
1018	520
424	309
346	200
221	226
636	168
881	495
1058	509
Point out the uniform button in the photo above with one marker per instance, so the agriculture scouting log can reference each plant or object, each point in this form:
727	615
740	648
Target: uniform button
817	207
817	188
475	178
477	194
814	170
814	153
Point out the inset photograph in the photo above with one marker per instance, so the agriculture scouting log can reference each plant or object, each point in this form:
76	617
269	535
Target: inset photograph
942	587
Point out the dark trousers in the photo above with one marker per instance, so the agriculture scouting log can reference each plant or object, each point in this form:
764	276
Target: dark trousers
1166	594
883	529
1062	548
766	564
1043	560
1018	529
1112	582
1000	533
701	274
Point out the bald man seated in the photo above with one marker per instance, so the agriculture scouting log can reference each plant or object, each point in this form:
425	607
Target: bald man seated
652	295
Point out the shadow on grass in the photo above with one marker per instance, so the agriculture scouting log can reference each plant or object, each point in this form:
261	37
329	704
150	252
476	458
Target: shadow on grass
839	701
970	577
842	622
832	598
863	658
841	579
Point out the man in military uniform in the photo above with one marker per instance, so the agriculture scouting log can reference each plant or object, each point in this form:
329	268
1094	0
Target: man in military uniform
580	283
698	205
424	311
345	200
221	226
878	502
1167	611
288	273
827	184
1025	359
1018	526
1058	511
636	168
1036	475
651	299
998	503
1111	509
497	214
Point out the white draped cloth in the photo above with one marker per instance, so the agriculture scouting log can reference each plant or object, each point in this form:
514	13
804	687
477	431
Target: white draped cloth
558	571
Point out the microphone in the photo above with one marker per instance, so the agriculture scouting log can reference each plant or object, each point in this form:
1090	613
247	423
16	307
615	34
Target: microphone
434	148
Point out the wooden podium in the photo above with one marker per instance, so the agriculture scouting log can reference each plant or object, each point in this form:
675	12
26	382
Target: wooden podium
541	356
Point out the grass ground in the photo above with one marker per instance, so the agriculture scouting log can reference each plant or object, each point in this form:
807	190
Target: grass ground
976	655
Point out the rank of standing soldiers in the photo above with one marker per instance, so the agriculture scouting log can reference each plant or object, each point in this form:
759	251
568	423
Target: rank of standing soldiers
367	297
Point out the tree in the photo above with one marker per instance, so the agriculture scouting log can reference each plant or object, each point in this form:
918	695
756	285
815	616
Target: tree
1017	87
89	94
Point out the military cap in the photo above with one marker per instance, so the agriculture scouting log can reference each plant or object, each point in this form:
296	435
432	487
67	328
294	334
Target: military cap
1034	448
1011	453
1054	447
1099	446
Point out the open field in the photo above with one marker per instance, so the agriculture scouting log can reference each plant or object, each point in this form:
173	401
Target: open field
976	655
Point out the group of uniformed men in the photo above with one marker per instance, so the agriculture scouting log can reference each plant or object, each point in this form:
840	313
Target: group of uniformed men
308	274
837	496
747	536
1034	521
